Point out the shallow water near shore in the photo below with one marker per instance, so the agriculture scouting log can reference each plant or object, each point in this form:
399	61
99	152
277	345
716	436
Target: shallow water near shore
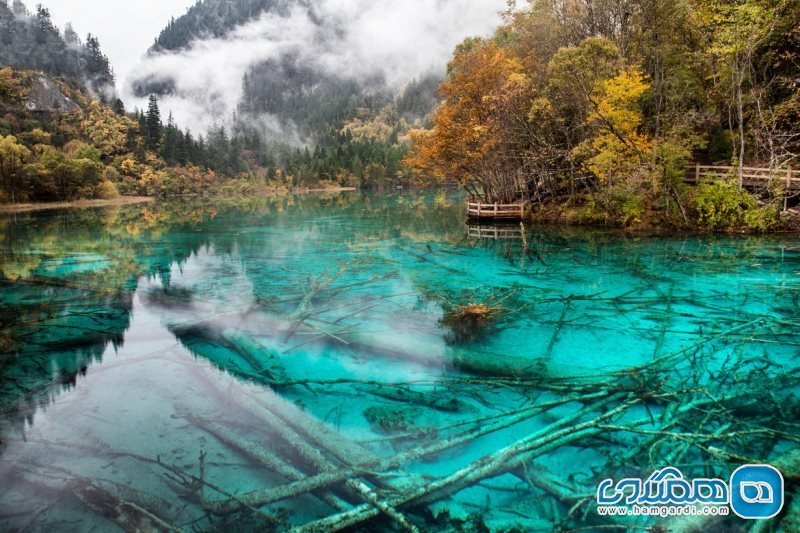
174	365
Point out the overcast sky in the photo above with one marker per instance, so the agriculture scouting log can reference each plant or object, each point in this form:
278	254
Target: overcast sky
126	29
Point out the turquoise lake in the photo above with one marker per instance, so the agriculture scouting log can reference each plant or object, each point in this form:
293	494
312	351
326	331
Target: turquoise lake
375	363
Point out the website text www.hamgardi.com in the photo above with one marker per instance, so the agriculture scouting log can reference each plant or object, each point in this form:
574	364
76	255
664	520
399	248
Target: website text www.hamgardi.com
662	510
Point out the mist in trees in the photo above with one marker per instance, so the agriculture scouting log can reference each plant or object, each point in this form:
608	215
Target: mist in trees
32	41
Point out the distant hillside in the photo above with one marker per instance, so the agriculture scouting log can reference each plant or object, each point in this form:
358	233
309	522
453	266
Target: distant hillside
297	96
294	109
31	41
64	134
215	18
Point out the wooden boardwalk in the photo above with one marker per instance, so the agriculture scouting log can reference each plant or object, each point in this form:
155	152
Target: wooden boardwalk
496	211
752	176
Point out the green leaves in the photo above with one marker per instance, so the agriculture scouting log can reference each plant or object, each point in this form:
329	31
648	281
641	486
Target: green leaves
13	157
723	205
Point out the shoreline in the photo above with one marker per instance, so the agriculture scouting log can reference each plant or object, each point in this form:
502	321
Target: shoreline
45	206
132	200
328	189
551	215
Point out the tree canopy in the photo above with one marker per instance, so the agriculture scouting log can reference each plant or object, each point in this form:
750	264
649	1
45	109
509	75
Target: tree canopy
606	101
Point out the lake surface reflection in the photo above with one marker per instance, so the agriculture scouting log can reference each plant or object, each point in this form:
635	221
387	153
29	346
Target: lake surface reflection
355	361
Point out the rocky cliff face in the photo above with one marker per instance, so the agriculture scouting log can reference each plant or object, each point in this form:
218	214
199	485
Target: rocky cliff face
45	96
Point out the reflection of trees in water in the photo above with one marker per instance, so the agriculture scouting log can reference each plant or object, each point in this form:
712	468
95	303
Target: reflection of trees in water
68	277
67	284
52	337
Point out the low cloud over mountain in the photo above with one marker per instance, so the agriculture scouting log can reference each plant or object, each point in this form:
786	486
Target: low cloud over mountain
200	61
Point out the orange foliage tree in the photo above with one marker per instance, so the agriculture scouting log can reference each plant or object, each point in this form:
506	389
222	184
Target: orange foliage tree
473	126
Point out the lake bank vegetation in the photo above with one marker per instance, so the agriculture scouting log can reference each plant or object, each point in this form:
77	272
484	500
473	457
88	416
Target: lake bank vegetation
591	111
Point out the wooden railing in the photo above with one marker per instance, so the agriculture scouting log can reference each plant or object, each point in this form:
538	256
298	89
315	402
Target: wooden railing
751	176
479	210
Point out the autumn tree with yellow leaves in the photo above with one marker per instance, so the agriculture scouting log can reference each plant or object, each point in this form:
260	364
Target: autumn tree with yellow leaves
107	130
13	157
617	147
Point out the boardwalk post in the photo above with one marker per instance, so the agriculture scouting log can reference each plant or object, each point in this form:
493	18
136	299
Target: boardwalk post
697	173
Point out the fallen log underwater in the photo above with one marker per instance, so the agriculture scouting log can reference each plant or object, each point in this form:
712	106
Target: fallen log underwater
127	515
523	451
419	347
362	487
661	407
264	364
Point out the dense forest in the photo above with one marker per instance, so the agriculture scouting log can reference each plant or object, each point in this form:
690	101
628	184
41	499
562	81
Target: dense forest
143	153
592	109
214	18
31	41
64	134
57	142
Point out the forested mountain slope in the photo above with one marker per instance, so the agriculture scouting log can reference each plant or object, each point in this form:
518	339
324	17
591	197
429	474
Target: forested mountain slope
294	110
58	141
31	41
65	135
214	18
